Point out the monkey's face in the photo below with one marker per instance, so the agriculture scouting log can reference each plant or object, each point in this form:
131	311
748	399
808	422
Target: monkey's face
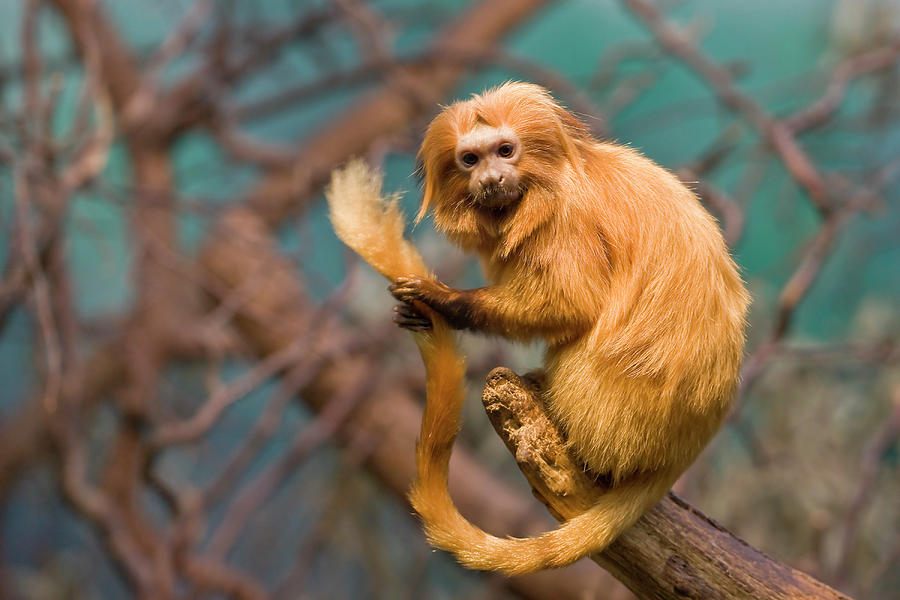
489	157
496	165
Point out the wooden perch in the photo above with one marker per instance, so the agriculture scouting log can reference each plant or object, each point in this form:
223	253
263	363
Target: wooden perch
672	552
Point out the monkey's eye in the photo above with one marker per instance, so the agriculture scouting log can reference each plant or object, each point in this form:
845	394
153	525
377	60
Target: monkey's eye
506	150
469	159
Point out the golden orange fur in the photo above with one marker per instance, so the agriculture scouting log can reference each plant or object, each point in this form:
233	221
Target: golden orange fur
612	262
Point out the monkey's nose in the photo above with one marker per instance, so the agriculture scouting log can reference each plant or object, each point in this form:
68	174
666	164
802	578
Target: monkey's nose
492	180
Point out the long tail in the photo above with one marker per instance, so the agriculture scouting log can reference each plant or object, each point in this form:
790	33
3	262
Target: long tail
370	223
373	226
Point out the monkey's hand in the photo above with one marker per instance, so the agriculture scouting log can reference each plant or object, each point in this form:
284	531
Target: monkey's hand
408	290
409	317
457	306
429	291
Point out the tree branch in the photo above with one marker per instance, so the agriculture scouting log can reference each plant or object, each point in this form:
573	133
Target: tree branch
672	552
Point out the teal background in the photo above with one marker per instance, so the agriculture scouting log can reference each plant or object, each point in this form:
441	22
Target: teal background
783	51
780	47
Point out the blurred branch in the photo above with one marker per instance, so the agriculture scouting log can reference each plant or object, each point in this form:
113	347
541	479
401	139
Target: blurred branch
385	110
824	108
316	433
469	57
212	576
99	509
777	133
210	411
878	447
41	291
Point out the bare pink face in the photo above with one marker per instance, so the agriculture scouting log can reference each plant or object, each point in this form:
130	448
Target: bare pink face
490	157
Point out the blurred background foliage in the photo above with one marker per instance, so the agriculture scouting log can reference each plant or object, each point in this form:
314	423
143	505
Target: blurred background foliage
806	470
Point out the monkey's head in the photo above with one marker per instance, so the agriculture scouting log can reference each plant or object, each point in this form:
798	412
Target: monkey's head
493	163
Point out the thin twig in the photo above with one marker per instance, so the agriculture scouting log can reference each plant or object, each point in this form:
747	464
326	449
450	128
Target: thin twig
881	442
313	435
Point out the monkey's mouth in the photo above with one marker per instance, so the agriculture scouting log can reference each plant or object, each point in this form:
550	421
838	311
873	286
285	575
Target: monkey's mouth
497	196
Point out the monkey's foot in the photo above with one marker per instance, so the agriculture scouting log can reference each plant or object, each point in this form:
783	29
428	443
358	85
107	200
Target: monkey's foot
408	317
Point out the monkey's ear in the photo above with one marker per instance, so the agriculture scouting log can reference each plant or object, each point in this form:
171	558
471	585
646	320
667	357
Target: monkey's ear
427	197
428	188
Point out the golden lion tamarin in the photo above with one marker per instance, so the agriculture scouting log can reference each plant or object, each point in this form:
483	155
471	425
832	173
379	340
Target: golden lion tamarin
592	248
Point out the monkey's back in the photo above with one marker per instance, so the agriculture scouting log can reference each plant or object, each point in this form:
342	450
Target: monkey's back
648	384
